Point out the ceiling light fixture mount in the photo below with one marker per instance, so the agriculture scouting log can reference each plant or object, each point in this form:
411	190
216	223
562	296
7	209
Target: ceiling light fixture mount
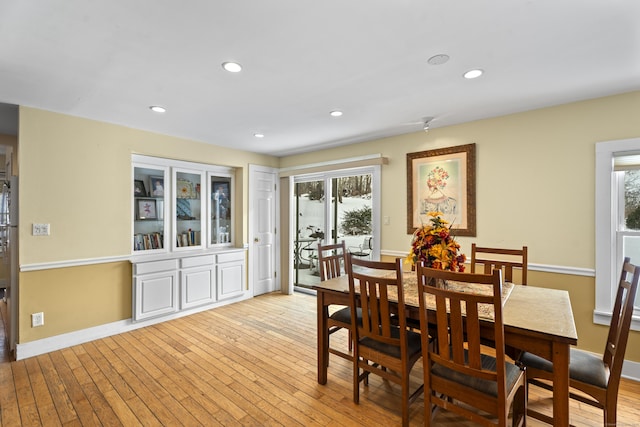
438	59
427	124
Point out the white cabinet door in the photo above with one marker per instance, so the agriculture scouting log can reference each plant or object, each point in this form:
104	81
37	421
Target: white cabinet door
155	295
230	279
197	286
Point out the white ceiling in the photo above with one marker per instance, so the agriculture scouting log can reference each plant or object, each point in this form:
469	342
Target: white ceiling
110	60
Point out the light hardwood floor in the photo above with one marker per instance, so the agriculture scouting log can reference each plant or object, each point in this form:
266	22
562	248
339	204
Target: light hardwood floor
252	363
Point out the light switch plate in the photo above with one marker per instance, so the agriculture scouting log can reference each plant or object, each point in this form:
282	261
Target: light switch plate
40	229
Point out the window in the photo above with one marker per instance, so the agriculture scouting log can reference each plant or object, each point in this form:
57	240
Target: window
617	220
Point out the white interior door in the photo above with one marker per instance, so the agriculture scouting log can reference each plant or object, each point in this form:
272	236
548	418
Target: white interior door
262	229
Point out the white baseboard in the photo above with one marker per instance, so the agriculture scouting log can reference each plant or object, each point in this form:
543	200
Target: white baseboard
58	342
631	370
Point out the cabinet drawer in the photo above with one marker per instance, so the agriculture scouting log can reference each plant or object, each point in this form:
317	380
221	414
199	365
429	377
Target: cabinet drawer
197	261
155	266
231	256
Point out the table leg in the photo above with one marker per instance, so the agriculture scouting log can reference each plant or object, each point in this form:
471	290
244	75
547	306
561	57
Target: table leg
323	338
561	384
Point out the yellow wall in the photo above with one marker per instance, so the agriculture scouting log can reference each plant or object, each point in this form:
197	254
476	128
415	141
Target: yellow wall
75	174
535	184
74	298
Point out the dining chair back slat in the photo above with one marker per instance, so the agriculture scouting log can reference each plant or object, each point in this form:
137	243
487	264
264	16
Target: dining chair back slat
331	260
503	259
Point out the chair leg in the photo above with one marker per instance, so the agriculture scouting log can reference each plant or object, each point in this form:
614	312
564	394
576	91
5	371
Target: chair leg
405	400
610	416
356	380
520	407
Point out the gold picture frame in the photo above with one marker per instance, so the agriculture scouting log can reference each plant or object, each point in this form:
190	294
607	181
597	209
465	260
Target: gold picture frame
443	180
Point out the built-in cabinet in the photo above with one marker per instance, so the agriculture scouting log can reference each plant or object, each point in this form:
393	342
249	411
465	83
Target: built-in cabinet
183	251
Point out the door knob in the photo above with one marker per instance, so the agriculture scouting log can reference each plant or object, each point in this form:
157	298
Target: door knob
256	240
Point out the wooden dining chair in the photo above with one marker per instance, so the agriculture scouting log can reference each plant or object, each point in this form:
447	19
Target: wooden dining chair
383	345
459	374
597	377
331	263
505	259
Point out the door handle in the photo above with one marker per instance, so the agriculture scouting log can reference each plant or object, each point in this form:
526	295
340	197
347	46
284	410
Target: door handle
256	240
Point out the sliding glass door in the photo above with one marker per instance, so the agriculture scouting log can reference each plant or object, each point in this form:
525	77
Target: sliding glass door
329	208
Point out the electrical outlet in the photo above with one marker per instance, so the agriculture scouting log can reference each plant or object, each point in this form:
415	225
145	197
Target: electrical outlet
37	319
40	229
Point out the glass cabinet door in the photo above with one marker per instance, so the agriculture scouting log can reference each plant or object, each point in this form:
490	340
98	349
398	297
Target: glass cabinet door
220	209
188	208
149	223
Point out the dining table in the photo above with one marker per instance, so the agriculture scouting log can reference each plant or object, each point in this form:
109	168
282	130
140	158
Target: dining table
536	319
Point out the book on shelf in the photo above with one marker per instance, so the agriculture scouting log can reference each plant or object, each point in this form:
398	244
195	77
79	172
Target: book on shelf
188	238
143	242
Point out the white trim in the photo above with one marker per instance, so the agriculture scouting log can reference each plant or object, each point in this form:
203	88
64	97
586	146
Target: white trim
631	370
58	342
129	258
154	162
604	318
332	162
72	263
561	269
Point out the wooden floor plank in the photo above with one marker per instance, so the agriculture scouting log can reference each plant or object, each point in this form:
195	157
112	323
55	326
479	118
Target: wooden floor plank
9	410
61	399
251	363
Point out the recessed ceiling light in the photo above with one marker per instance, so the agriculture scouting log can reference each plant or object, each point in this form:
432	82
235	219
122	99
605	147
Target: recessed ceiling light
258	135
336	113
232	67
158	109
472	74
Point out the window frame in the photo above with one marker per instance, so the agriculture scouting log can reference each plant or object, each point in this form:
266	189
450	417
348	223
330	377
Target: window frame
608	239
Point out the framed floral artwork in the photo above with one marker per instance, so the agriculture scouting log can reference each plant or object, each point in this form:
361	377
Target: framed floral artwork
147	209
442	180
184	189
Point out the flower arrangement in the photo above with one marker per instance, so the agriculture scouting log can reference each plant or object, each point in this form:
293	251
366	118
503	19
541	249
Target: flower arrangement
437	178
435	246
